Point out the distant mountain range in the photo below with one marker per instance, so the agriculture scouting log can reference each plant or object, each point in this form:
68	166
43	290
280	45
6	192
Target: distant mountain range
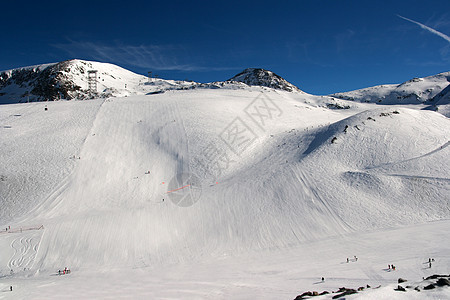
69	80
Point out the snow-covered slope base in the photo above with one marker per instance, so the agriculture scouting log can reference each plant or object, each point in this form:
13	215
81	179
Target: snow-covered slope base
282	190
269	274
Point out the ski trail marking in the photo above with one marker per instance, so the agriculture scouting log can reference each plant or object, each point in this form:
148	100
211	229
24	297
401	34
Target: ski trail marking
440	148
178	188
25	250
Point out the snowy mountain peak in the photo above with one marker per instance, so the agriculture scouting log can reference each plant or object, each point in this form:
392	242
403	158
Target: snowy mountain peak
69	80
261	77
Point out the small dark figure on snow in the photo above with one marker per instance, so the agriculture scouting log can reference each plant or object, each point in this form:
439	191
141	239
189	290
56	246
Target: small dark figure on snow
356	259
59	272
323	279
430	265
347	259
389	267
10	288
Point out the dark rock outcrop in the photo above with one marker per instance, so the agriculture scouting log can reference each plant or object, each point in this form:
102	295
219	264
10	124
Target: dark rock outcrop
344	293
261	77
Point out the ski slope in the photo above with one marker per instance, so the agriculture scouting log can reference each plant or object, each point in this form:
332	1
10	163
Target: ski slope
302	189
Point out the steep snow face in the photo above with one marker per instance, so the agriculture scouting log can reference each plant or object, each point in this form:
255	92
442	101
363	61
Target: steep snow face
69	80
261	77
441	102
414	91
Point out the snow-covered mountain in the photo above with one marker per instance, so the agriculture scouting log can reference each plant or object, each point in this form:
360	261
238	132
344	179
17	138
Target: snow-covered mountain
414	91
261	77
441	102
69	80
431	91
223	190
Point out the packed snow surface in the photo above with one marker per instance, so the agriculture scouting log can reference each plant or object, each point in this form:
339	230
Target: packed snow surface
280	190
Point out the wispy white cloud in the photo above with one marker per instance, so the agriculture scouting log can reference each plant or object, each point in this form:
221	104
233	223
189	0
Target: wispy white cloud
434	31
342	39
156	57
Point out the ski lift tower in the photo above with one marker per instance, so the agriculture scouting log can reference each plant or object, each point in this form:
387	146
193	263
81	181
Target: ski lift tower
150	76
92	83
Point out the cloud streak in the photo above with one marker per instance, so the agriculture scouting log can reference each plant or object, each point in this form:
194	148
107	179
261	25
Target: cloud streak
156	57
434	31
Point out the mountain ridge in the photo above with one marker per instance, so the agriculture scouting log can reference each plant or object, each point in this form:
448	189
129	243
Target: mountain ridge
68	80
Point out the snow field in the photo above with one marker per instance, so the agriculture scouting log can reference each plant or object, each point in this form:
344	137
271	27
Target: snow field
287	210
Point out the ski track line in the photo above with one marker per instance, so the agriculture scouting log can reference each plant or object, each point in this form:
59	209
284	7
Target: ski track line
53	201
440	148
173	107
446	180
180	117
25	251
336	218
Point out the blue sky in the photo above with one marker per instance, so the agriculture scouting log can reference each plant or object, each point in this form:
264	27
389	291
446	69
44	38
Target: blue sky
321	46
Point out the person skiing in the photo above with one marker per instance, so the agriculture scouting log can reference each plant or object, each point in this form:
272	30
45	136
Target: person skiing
389	267
10	288
347	259
323	279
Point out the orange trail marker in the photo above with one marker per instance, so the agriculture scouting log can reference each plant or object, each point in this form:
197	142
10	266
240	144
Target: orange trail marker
178	188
